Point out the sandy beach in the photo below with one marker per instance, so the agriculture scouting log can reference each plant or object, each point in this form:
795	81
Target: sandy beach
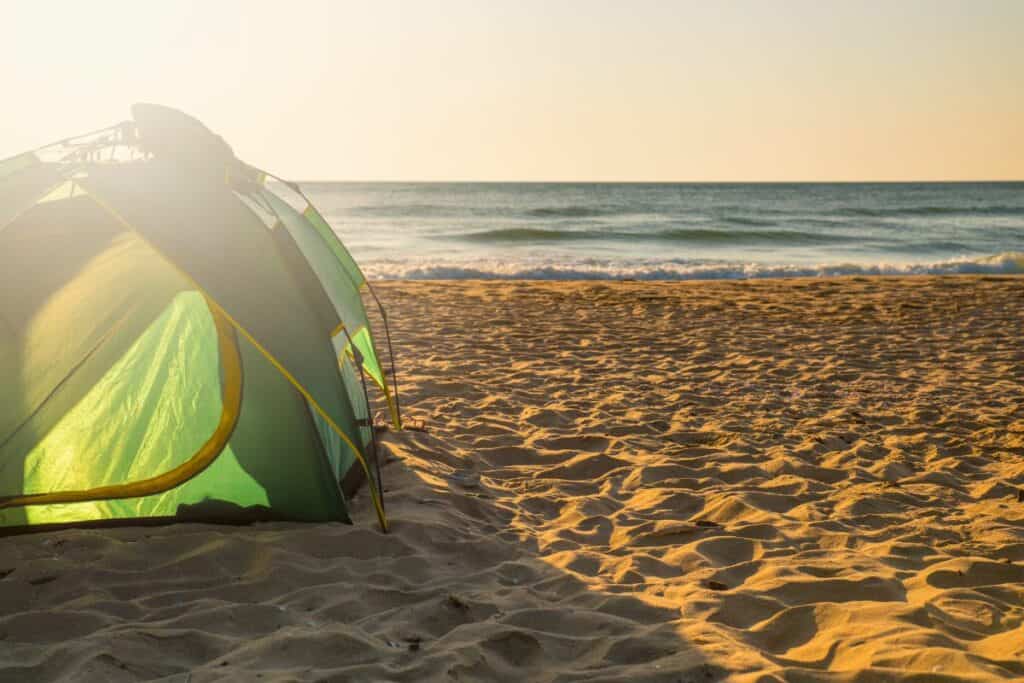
777	480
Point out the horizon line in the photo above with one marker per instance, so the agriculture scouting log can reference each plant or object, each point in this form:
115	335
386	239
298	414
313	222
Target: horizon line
667	182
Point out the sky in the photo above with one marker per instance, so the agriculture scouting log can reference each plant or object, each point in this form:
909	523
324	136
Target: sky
554	90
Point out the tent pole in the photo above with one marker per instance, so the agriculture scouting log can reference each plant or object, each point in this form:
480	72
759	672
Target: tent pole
387	332
391	350
369	418
75	137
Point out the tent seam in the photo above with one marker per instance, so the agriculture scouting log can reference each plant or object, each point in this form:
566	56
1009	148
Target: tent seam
34	203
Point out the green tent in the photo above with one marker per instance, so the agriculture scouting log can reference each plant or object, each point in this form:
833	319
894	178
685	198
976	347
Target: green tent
182	337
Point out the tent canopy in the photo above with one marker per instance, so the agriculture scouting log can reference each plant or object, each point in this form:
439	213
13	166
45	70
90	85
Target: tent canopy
181	336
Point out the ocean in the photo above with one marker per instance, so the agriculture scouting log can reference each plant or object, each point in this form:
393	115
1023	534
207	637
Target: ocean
675	231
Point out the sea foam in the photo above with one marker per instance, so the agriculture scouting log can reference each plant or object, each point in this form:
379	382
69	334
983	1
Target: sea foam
1007	263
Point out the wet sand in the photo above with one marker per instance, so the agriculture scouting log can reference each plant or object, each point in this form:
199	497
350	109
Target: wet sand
799	480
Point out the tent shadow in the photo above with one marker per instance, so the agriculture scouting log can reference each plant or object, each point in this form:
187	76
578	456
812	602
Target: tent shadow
455	592
495	608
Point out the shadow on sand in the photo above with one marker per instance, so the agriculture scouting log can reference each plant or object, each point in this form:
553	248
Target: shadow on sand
453	593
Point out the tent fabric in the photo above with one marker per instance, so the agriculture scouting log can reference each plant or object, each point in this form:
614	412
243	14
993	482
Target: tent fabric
165	352
347	299
23	181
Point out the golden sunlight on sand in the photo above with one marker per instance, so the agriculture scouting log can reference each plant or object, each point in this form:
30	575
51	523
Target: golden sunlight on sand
808	480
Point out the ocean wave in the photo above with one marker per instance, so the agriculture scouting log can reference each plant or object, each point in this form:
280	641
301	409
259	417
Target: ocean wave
400	210
910	211
570	212
552	213
1007	263
745	220
732	215
690	235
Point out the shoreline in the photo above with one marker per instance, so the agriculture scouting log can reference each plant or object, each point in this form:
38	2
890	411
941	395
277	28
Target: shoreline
398	282
1003	264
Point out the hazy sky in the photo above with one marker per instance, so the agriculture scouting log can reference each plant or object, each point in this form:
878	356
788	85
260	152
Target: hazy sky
549	90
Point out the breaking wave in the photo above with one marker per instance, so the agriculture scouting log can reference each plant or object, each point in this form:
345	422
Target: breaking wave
1007	263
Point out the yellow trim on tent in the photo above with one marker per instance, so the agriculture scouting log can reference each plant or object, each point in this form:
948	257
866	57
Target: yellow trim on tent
32	204
383	388
352	333
392	408
390	401
374	493
231	363
363	285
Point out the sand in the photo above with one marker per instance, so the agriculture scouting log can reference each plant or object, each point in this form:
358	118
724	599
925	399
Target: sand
807	480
